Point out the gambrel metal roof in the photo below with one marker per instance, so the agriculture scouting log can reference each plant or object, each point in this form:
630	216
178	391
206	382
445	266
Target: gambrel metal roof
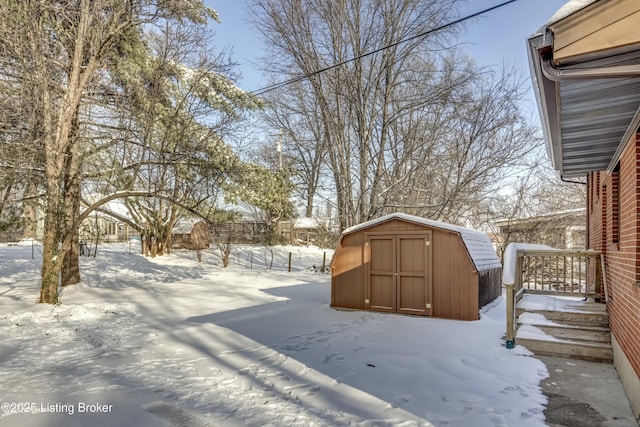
479	246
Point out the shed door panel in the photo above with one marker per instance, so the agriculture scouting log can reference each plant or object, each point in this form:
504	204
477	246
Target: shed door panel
413	274
382	274
399	276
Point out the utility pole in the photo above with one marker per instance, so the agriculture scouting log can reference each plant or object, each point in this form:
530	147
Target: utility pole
280	148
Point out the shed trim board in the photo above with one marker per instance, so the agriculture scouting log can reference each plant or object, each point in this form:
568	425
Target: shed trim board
401	283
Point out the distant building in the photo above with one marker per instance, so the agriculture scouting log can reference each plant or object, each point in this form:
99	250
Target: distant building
98	225
564	229
191	234
304	230
108	228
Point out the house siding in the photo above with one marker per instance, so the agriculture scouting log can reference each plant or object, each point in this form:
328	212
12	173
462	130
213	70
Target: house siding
614	228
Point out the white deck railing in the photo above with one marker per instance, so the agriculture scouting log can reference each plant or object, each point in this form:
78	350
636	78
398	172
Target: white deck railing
537	269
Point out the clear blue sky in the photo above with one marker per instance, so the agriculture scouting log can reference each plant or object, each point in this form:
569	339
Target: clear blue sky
493	39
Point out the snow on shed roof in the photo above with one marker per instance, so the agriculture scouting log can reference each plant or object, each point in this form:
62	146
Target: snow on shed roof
478	244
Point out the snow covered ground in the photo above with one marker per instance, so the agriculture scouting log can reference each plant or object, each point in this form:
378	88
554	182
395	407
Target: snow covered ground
171	342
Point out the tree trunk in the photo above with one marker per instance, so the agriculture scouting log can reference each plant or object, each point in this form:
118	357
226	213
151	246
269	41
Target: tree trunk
153	247
145	241
72	180
58	142
6	193
50	273
71	265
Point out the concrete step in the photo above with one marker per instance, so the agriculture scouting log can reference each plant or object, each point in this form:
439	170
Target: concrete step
581	317
565	327
597	352
564	309
571	331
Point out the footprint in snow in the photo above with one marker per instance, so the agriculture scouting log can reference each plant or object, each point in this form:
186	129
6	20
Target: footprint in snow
313	390
509	389
402	400
175	415
329	357
498	421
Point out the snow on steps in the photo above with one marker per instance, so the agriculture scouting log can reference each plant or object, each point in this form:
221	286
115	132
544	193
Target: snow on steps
566	327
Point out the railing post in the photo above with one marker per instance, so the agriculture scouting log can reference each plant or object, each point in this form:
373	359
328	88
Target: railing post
511	315
512	290
604	278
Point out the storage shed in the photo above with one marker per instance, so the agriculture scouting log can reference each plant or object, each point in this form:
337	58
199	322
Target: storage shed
406	264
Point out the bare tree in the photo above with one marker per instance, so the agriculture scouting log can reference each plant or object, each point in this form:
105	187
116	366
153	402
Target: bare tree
354	100
415	126
463	145
300	129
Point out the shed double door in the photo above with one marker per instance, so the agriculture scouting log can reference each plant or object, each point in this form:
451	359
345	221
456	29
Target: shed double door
398	277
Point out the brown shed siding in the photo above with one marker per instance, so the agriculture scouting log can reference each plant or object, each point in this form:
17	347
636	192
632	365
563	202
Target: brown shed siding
348	291
455	287
401	266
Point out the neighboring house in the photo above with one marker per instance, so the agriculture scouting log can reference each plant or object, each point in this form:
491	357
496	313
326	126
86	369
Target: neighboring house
108	228
565	229
99	224
585	63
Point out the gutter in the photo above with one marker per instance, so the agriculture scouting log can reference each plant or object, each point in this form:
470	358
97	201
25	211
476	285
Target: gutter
550	72
557	75
568	181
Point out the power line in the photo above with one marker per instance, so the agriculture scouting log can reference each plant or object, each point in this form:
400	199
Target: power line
259	92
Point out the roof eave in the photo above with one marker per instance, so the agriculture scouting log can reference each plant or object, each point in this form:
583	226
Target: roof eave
587	92
547	82
546	93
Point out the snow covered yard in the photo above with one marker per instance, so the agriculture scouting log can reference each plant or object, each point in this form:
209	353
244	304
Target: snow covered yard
170	342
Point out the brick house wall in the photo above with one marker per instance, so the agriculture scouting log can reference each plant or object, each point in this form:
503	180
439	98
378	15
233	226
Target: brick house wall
614	228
